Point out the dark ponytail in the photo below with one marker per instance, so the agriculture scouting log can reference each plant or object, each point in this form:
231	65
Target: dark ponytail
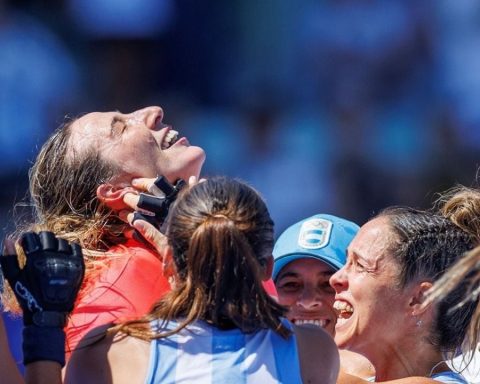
222	238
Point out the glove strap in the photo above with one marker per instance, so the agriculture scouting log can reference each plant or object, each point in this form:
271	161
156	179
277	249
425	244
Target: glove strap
49	319
43	343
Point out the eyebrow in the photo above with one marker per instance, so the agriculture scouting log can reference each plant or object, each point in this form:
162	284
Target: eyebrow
359	255
367	263
352	254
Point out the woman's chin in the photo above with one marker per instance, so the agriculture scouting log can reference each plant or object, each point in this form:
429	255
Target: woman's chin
344	332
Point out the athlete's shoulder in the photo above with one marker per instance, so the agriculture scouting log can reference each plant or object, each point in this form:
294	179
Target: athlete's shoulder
318	354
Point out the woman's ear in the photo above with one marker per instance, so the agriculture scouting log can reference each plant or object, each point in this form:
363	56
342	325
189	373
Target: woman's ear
112	196
419	295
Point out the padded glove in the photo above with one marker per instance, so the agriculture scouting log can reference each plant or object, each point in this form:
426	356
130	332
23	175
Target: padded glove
158	205
46	289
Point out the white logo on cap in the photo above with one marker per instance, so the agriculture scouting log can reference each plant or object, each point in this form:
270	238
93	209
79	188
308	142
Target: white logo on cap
315	233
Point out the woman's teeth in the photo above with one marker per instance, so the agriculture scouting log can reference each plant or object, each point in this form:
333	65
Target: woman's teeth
318	323
170	138
342	308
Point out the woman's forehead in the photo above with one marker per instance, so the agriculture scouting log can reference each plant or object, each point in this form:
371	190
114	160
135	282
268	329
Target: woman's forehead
92	130
93	123
373	239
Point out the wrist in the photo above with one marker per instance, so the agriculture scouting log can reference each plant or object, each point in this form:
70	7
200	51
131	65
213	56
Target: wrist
43	344
50	319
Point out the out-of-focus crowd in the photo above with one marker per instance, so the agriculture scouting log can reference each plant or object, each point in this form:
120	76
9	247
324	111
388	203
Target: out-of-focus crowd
346	105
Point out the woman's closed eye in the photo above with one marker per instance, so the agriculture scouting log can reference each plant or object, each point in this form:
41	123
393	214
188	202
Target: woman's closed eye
359	265
118	126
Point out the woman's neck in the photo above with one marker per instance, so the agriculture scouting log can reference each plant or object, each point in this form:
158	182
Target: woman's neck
394	362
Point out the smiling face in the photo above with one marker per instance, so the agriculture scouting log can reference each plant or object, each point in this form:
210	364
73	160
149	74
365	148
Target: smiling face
372	309
139	144
303	286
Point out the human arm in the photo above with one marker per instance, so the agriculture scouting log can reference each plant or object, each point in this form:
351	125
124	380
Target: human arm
45	287
43	372
8	369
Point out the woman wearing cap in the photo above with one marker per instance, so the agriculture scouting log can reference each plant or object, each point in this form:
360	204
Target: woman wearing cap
306	255
217	325
392	263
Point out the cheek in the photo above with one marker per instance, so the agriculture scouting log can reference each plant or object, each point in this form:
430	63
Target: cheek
376	304
361	286
287	299
138	164
139	160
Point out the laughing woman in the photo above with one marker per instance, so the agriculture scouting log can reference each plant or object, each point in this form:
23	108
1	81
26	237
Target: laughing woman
78	182
380	293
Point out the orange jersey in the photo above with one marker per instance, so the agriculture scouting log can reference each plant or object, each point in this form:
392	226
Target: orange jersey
126	288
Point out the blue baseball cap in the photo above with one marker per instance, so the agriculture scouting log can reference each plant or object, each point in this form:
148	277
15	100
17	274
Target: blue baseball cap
322	237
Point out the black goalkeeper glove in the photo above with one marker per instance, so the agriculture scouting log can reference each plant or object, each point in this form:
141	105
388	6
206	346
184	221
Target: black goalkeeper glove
46	289
158	205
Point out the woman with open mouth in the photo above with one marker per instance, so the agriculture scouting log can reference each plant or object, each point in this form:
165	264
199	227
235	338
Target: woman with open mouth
381	291
306	255
77	186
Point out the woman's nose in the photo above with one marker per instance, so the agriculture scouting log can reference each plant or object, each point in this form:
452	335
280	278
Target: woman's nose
150	116
309	299
338	280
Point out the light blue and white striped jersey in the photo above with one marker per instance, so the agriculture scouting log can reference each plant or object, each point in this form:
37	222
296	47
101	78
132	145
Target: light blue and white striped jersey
205	354
449	377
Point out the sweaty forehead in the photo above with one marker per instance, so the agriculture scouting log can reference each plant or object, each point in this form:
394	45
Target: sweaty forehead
93	124
92	129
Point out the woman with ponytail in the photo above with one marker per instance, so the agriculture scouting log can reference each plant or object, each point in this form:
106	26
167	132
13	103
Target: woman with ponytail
382	293
217	325
462	206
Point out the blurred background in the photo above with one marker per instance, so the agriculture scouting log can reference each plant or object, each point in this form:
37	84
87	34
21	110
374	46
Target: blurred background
340	106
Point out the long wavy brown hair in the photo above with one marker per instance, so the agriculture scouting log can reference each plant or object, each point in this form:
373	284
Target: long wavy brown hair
221	234
63	184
